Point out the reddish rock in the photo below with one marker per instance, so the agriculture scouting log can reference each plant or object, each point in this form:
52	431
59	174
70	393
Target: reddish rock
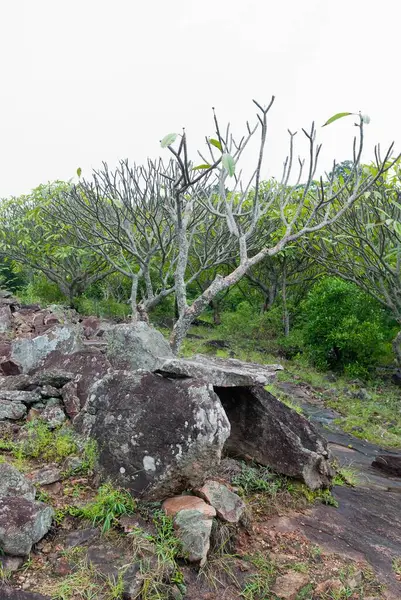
72	403
9	367
330	585
91	326
172	506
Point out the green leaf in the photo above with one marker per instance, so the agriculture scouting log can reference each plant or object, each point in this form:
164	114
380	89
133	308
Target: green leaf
228	163
216	144
168	140
337	116
201	167
79	171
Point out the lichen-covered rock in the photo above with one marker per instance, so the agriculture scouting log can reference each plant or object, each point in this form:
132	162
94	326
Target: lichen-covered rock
5	319
274	435
23	397
225	372
88	365
156	436
13	483
22	524
136	346
11	410
31	352
228	505
46	475
193	530
53	416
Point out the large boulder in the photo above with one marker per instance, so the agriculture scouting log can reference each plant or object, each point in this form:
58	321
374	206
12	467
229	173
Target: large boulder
389	463
136	346
157	437
22	524
30	353
274	435
13	483
225	372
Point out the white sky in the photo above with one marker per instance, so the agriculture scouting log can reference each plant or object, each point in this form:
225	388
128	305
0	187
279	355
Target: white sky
89	80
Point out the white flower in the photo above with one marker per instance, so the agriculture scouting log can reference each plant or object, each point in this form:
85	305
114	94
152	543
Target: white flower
366	119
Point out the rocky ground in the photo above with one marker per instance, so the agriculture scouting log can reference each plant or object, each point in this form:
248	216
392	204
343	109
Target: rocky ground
70	530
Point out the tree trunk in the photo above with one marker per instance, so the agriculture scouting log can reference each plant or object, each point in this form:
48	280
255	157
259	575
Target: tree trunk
134	291
397	349
216	312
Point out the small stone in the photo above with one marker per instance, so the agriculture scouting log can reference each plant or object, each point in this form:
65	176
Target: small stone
11	563
172	506
194	532
228	505
13	483
47	475
72	464
132	581
330	585
72	403
53	415
48	391
289	585
22	524
356	580
34	413
62	567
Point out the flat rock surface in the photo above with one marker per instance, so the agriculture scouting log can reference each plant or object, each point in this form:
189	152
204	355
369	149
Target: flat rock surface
225	372
367	523
172	506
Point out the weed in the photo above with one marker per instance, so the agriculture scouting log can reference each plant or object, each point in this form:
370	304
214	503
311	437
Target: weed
42	442
258	584
109	504
256	479
397	566
43	496
346	476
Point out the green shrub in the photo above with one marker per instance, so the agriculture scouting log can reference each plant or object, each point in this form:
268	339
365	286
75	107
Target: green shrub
343	328
40	290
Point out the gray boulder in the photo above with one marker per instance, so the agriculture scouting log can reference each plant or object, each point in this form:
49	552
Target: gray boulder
22	524
274	435
13	483
136	346
29	353
12	411
157	437
220	371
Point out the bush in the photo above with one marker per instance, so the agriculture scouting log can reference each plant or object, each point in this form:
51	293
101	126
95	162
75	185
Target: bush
343	328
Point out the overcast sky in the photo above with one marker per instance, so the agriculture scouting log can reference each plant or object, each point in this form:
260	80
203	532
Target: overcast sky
90	80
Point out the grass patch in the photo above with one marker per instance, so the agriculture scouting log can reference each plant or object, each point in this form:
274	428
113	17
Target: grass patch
397	566
109	504
257	586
